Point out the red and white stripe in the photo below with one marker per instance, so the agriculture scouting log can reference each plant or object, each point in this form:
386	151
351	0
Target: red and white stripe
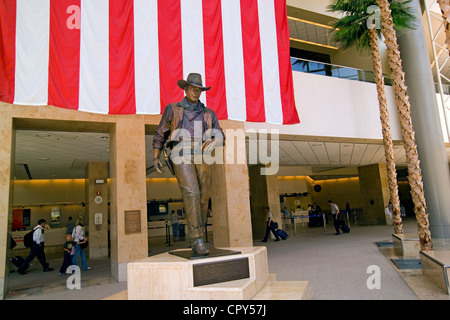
126	56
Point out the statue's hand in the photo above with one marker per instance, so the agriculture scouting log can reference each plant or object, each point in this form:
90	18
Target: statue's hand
158	165
209	145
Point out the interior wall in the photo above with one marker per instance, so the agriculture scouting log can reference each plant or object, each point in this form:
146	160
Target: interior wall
40	196
340	191
333	107
51	192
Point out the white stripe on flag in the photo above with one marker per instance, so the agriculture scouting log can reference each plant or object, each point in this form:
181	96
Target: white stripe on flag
94	56
32	52
233	60
146	57
269	59
192	39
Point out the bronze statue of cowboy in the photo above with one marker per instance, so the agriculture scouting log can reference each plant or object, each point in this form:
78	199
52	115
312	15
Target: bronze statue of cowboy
186	126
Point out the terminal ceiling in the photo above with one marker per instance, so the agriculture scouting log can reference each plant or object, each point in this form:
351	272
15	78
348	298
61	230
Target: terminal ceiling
64	155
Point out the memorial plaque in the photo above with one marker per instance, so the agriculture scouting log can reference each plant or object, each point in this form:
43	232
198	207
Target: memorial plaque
220	271
132	221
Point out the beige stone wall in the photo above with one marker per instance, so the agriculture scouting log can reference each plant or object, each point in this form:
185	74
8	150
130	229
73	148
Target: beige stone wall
375	193
6	151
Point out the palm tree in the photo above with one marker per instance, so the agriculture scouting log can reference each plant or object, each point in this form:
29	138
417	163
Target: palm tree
404	108
353	30
445	9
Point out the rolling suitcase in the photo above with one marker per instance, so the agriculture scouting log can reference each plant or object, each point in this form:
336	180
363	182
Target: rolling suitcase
345	228
17	261
282	234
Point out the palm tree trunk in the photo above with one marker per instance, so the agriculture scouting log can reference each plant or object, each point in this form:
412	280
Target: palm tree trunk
404	108
386	129
445	9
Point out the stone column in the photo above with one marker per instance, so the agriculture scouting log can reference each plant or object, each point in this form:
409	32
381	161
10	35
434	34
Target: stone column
7	138
97	203
264	191
129	240
374	188
427	125
230	193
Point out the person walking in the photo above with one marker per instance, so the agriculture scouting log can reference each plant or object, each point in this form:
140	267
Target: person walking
270	225
37	249
78	237
70	225
68	257
175	225
335	216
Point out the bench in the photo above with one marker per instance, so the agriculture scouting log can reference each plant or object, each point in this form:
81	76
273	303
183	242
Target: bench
436	267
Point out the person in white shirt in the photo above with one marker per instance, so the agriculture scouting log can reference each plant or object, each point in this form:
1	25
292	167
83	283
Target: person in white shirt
269	227
175	225
335	215
78	237
37	250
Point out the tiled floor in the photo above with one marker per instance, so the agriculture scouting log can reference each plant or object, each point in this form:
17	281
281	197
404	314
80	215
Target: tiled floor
335	266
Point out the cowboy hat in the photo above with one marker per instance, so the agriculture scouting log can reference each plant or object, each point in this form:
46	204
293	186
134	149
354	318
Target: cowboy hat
193	79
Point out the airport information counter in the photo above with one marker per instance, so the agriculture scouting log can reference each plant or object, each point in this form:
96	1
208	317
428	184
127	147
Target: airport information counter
301	217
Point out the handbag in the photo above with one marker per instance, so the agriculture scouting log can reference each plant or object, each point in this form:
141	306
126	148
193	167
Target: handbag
84	245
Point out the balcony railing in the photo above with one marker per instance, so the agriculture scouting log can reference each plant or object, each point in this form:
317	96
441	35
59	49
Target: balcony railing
336	71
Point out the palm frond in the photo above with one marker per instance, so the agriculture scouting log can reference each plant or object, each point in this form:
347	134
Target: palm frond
352	29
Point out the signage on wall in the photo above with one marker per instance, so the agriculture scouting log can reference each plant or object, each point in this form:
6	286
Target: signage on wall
132	221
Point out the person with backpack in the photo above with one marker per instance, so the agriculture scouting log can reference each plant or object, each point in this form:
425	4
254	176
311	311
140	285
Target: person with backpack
37	249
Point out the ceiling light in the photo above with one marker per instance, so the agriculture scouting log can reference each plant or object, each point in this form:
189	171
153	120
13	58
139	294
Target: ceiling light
42	135
43	159
104	137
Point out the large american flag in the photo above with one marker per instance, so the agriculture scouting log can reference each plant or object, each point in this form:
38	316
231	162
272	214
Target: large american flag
126	56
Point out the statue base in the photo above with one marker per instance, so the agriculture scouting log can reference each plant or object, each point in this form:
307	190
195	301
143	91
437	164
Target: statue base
225	274
213	252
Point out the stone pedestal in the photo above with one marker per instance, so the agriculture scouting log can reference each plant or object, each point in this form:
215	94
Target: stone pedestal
436	267
170	277
406	245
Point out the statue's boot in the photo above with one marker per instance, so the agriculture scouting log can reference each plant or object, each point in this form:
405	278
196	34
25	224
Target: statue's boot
199	247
